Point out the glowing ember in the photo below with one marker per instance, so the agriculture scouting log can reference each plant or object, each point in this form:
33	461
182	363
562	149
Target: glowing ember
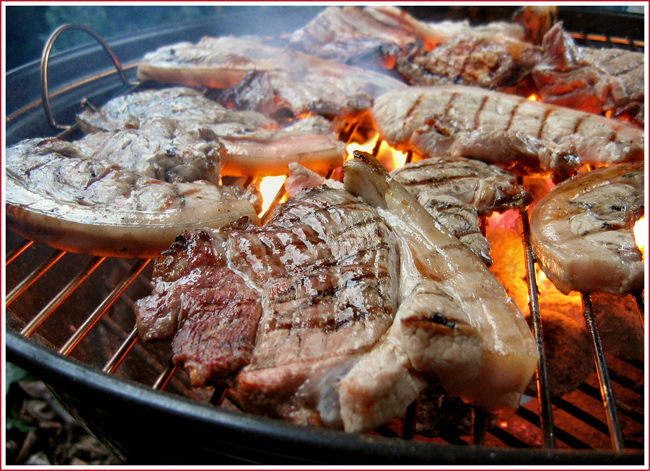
269	187
533	97
641	234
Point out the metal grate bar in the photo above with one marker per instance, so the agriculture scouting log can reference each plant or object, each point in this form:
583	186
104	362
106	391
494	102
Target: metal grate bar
33	277
36	322
543	391
606	389
18	251
103	307
165	377
121	353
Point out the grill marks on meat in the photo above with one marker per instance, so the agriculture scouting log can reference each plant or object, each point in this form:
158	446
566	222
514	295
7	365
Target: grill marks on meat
162	122
354	36
323	270
58	196
457	192
581	231
518	134
455	321
274	81
159	149
588	79
493	62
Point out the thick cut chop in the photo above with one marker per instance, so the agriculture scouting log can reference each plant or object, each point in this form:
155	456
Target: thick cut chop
187	106
320	287
494	62
60	197
581	231
457	192
158	148
354	35
455	320
513	132
598	80
252	143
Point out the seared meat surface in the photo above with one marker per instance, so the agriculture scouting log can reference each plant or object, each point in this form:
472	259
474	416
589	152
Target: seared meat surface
158	128
601	81
352	319
493	62
581	231
58	196
457	192
158	148
524	136
321	277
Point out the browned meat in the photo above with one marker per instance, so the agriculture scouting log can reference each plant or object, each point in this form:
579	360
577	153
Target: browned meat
581	232
601	81
251	143
457	192
518	134
158	148
352	35
333	91
58	196
321	278
536	20
494	62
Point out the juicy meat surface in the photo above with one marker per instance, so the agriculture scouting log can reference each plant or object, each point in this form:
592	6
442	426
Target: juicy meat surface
493	62
156	125
157	148
323	272
596	80
353	35
457	192
581	232
59	196
524	136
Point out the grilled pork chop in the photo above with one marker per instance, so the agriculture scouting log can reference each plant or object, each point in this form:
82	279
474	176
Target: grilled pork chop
253	144
493	62
468	333
336	326
319	287
457	192
58	196
596	80
158	148
524	136
581	232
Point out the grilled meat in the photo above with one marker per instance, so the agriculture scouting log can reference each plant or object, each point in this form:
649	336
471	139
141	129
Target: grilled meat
581	232
60	197
212	62
466	332
457	192
253	144
521	135
493	62
331	90
321	278
157	148
273	80
537	20
353	35
601	81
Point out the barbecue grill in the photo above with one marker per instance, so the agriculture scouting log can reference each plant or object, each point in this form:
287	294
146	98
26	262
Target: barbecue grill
70	319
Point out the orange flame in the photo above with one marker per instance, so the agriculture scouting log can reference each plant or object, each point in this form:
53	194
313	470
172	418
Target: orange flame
391	158
269	188
641	234
534	97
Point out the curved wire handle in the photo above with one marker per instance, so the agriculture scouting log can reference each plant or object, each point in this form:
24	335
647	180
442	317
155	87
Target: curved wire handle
45	59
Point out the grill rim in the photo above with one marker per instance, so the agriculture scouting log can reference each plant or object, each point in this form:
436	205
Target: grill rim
71	379
70	383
